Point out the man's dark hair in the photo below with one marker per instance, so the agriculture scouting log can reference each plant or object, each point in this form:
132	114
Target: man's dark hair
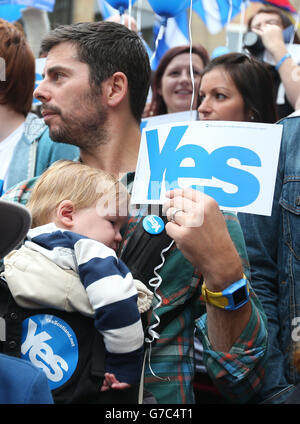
108	47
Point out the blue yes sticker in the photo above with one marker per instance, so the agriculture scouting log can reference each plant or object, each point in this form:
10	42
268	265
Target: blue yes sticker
153	224
49	343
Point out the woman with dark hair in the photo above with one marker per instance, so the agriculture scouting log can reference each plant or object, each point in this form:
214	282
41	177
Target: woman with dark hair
235	87
271	25
172	86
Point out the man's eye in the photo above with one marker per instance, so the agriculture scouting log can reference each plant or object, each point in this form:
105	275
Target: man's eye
57	76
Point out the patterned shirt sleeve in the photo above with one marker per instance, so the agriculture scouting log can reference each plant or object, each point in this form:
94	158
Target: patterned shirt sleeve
21	192
238	374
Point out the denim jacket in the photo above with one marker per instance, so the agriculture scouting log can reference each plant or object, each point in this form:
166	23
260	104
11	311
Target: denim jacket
35	152
273	245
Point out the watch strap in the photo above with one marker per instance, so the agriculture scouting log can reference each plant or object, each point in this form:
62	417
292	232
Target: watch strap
216	298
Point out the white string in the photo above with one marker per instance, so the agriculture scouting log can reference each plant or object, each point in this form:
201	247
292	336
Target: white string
139	15
129	13
154	334
242	22
191	62
228	21
159	37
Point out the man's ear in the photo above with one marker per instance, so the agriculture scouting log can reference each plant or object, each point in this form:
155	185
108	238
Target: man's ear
65	213
115	88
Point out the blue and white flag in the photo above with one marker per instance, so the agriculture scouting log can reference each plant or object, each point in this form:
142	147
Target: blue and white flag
176	34
107	10
216	14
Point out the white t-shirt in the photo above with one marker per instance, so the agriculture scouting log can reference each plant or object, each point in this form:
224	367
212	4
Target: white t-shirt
7	147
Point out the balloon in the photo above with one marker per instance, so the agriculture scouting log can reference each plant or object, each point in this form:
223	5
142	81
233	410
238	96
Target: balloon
11	12
168	8
219	51
121	5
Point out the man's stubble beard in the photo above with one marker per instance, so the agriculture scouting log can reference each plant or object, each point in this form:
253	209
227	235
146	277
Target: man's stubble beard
84	130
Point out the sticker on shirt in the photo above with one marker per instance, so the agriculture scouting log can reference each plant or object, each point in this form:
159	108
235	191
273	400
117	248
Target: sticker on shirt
49	343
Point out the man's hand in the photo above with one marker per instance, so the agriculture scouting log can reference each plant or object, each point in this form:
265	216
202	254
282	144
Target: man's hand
272	38
200	232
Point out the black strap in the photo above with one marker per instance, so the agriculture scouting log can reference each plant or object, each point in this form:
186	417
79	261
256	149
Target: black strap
98	358
142	254
12	314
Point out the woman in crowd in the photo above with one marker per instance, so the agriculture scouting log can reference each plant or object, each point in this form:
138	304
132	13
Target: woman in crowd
172	86
272	241
235	87
275	31
226	95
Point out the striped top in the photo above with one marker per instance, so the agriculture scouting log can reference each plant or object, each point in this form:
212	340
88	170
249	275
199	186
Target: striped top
110	289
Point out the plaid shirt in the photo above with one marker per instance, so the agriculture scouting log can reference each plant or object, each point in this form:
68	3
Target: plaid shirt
169	367
169	372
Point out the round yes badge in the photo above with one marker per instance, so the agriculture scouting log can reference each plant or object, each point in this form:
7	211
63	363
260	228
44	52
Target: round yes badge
153	224
49	343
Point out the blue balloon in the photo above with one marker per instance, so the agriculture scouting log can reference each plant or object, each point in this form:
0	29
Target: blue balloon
168	8
11	12
219	51
121	5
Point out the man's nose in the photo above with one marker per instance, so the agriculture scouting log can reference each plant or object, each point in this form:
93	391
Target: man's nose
41	93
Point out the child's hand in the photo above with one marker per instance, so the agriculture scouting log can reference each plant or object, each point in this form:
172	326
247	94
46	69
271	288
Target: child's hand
110	382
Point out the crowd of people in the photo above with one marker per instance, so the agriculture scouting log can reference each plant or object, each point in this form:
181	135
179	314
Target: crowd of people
72	171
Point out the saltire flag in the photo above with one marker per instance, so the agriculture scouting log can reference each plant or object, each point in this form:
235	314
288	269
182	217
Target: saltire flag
176	34
107	10
216	14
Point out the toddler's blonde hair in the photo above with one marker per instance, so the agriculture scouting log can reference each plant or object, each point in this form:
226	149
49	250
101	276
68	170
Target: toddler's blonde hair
69	180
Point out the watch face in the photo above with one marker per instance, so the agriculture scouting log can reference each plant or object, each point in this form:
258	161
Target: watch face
239	295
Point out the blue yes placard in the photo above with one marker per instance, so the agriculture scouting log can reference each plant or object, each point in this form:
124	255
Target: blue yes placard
233	162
